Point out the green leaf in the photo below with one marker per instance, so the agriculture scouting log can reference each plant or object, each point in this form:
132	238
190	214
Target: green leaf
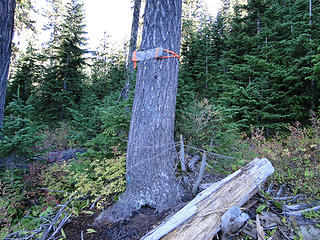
260	208
46	212
88	212
90	230
63	234
278	205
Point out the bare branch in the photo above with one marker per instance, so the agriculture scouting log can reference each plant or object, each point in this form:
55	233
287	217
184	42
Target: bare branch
210	153
182	162
56	218
201	173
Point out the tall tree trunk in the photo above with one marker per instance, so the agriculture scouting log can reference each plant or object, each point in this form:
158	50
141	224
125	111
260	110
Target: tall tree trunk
151	147
258	21
132	47
313	87
134	33
7	8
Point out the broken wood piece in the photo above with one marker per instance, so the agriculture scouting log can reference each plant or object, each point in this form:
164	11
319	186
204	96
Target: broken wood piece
182	162
201	218
290	198
201	173
300	212
193	161
260	232
232	220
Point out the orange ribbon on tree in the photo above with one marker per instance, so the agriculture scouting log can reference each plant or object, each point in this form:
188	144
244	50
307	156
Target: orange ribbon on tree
157	53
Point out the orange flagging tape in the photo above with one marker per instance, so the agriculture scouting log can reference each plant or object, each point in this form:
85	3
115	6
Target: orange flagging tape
134	58
173	54
169	51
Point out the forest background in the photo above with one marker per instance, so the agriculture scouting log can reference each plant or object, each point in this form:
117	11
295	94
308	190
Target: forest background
249	84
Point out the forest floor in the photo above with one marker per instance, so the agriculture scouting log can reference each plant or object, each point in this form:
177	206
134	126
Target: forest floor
269	206
134	228
275	224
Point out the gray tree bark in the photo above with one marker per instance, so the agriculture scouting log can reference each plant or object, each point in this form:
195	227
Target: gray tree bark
132	47
7	9
151	148
134	33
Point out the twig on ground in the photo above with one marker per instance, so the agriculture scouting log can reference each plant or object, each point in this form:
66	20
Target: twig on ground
93	205
269	191
297	207
280	191
62	222
56	218
283	234
300	212
290	198
15	235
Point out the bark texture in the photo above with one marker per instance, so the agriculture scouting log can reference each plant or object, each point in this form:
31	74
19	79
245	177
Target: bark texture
151	147
7	8
134	33
132	47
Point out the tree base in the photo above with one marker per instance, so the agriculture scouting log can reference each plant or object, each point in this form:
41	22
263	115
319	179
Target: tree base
161	199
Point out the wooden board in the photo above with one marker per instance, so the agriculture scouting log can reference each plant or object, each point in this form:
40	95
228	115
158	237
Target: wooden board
200	219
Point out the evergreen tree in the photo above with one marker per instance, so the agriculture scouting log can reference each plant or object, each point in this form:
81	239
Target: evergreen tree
193	14
108	70
27	75
63	81
316	77
267	63
22	137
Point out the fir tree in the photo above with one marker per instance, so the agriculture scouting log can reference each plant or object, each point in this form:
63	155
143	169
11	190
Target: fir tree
108	70
63	82
27	75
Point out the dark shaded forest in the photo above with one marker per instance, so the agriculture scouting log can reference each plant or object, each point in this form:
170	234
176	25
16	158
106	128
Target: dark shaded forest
249	82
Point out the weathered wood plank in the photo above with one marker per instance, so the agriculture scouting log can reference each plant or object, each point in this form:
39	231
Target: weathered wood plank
201	218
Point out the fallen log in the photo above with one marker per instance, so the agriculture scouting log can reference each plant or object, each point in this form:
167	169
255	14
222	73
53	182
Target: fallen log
201	218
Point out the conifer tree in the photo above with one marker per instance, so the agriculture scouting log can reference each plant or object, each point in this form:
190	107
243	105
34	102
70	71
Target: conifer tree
267	63
27	75
108	70
316	77
63	81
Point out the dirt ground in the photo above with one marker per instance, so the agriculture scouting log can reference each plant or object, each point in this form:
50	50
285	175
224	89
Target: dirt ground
134	228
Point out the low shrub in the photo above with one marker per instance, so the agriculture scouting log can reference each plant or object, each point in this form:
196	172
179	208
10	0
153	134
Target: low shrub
206	126
20	136
295	157
29	197
95	180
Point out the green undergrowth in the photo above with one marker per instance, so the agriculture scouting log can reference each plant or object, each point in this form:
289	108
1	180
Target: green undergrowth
207	126
29	197
295	157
